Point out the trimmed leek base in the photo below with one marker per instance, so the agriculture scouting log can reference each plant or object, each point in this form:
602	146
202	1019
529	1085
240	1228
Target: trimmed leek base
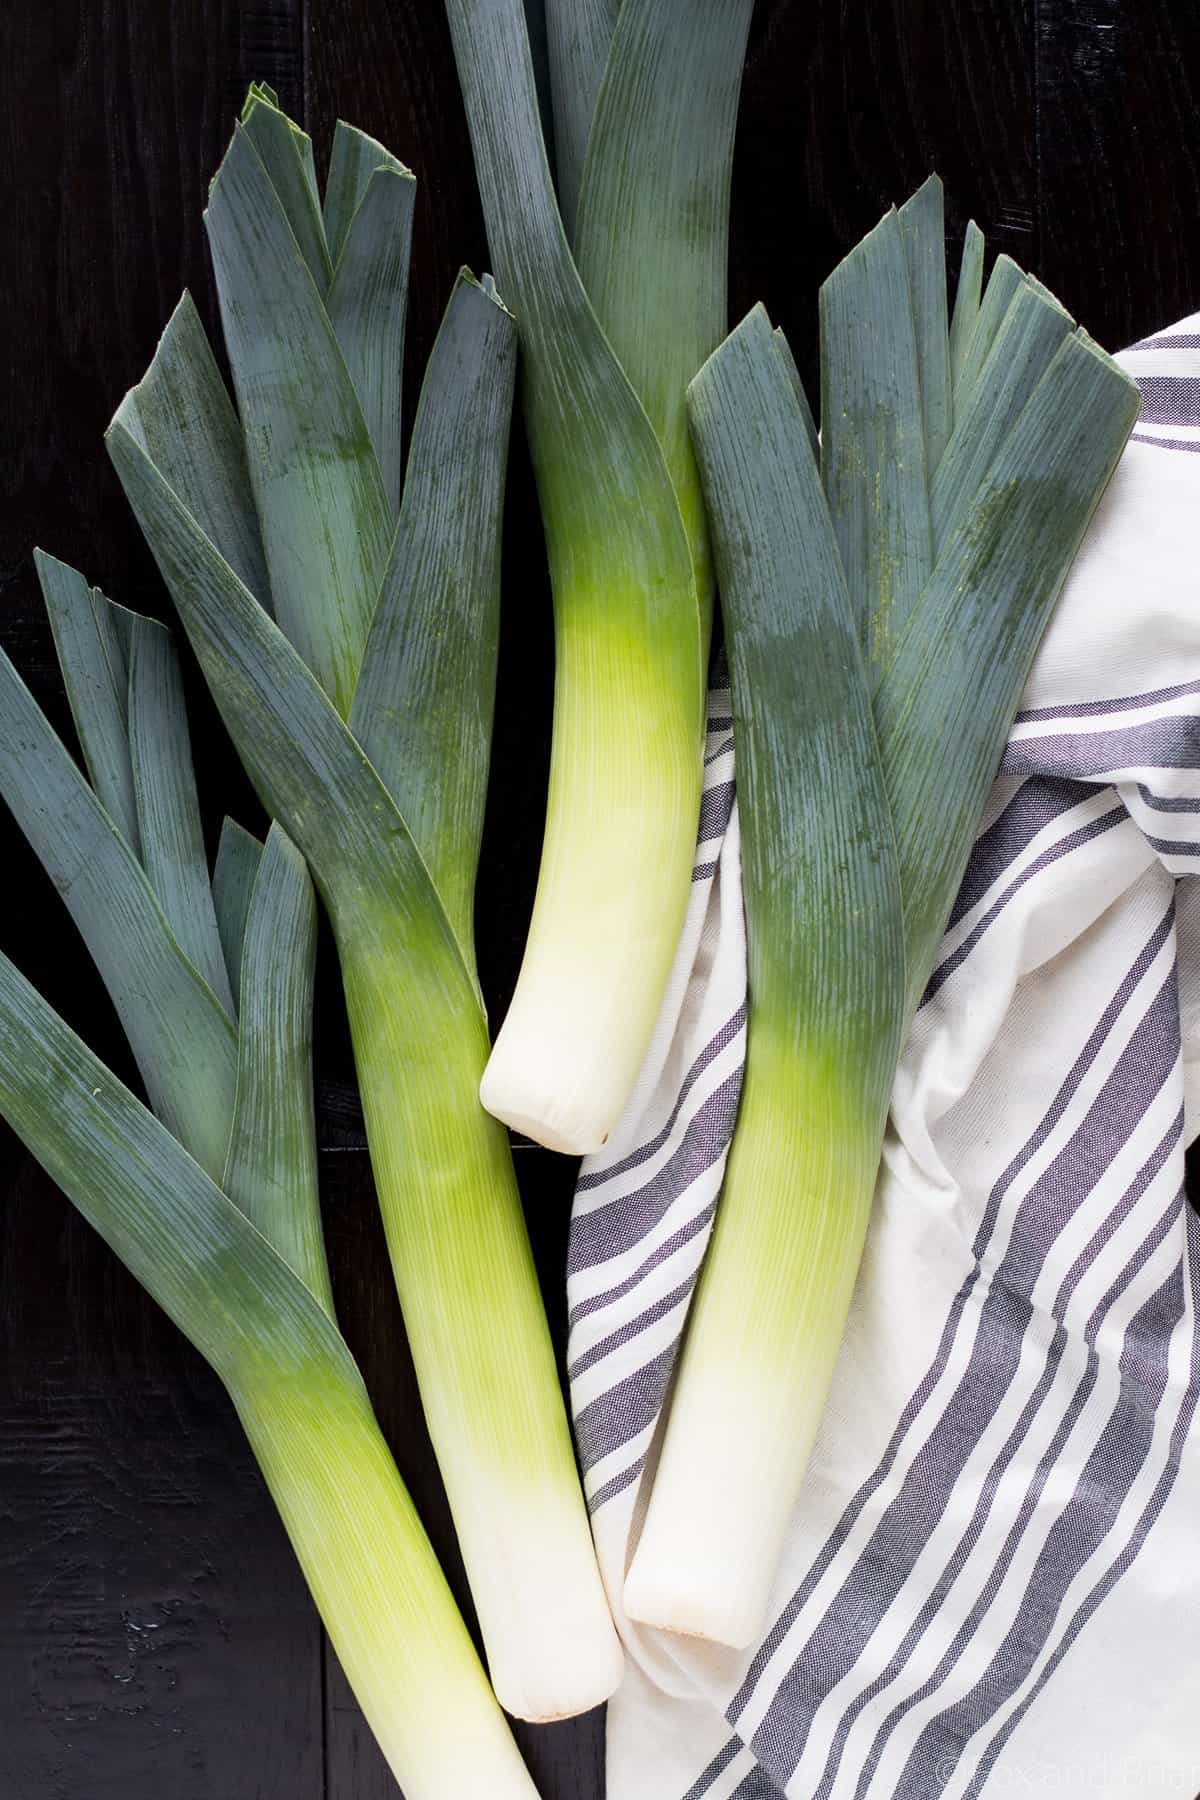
477	1328
612	891
377	1584
762	1340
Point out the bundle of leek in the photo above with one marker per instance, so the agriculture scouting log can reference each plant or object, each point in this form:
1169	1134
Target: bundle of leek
883	608
213	1204
349	638
610	336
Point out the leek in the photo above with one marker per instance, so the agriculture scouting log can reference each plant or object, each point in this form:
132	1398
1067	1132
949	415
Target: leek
876	669
240	1267
608	344
363	716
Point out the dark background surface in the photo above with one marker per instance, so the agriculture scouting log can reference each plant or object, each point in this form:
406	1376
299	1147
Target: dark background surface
155	1637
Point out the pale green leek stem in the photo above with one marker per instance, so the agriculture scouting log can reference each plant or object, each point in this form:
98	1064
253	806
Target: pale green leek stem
472	1310
384	1600
763	1336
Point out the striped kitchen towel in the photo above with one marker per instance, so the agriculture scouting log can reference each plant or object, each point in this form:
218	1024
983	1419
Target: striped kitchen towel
992	1583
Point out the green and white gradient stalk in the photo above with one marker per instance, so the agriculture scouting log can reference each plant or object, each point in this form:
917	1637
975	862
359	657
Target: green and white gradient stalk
367	1559
387	812
377	1584
629	675
825	967
651	249
763	1336
468	1288
443	1168
856	828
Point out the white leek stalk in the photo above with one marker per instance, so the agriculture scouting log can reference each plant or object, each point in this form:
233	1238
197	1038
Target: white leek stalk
364	718
876	667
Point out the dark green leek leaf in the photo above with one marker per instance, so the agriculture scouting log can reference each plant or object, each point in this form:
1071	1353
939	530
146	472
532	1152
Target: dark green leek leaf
793	375
168	806
271	1171
115	624
958	674
653	253
324	513
180	1034
233	882
613	530
824	939
286	154
367	302
423	706
354	159
1032	330
923	228
183	416
1003	283
872	436
190	1247
92	659
966	301
310	772
579	35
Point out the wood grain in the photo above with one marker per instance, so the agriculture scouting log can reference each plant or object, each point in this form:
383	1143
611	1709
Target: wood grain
155	1637
1118	161
847	109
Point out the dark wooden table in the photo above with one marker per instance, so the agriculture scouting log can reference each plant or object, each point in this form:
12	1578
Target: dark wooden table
155	1638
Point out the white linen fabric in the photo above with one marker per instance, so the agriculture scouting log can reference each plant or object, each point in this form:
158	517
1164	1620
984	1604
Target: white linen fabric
992	1581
